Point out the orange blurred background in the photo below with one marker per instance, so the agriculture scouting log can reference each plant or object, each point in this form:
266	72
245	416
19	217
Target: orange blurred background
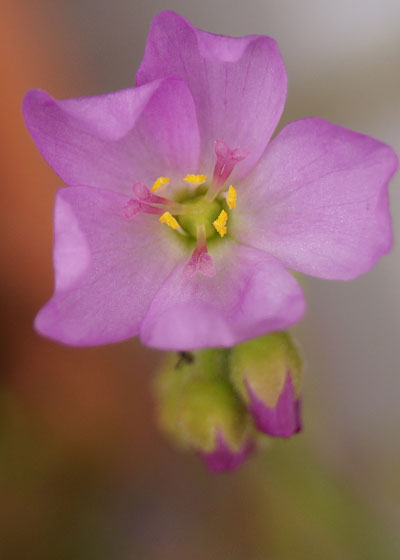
84	472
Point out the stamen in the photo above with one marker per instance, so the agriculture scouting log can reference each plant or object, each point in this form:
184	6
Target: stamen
160	182
231	197
167	218
195	179
220	223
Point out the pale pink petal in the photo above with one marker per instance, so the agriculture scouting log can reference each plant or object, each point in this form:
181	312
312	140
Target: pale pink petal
318	200
114	140
250	295
107	268
238	84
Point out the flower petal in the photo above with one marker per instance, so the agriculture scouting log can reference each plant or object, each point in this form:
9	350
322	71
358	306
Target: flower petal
113	140
107	268
238	84
318	200
251	294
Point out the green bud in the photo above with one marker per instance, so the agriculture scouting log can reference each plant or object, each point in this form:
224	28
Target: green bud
267	373
199	408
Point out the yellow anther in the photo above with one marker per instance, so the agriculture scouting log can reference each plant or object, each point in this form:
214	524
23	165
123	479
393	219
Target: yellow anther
167	218
195	179
220	223
231	197
161	181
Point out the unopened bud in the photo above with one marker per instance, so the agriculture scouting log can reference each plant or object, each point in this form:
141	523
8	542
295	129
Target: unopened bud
267	374
199	408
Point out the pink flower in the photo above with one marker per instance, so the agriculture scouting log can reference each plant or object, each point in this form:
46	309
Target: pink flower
189	147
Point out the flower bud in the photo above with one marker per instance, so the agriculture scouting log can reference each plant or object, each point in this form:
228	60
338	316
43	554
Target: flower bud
266	372
199	408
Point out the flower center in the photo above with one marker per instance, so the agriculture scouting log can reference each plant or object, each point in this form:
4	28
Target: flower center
196	208
198	211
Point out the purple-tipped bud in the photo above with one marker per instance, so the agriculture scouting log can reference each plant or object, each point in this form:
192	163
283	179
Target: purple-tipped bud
281	420
223	457
199	408
267	373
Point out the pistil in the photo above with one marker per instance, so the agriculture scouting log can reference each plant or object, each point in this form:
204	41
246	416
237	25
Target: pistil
226	161
200	261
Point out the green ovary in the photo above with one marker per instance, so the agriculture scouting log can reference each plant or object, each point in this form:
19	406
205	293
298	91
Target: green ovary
200	212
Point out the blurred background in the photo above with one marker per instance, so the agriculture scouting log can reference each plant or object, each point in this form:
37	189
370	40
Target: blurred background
84	472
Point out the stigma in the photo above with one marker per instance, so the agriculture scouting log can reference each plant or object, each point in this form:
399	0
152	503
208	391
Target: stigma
200	261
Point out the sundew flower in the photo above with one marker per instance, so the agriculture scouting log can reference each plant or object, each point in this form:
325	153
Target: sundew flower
182	219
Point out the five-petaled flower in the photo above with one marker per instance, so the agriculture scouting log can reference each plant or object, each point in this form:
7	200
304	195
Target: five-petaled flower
181	218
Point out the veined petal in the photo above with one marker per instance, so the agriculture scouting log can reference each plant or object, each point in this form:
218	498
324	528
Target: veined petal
111	141
318	200
107	268
238	84
251	294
